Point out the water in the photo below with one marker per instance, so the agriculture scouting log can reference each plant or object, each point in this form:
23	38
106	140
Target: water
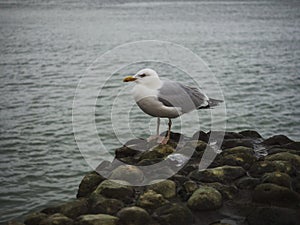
252	47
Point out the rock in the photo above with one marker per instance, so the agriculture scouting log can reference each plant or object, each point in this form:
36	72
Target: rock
250	134
274	194
296	184
173	214
179	179
112	189
159	151
238	156
277	140
147	162
247	183
221	174
129	173
225	134
35	218
261	167
167	188
75	208
231	143
175	137
131	148
190	186
57	219
100	204
205	198
151	200
197	145
14	223
285	156
227	191
273	216
281	179
134	215
89	184
201	135
97	219
292	145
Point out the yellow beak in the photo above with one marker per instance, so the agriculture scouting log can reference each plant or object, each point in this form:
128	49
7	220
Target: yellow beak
129	78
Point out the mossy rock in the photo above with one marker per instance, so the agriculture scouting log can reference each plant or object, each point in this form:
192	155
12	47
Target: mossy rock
173	214
227	191
190	186
100	204
285	156
74	208
35	218
277	140
97	219
250	134
231	143
238	159
247	183
274	194
201	135
167	188
151	200
57	219
113	189
279	178
197	145
134	215
13	222
221	174
261	167
205	198
89	183
129	173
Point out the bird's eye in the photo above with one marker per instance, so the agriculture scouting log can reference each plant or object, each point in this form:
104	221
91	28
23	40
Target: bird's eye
142	75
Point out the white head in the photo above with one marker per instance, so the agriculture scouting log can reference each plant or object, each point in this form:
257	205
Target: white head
147	77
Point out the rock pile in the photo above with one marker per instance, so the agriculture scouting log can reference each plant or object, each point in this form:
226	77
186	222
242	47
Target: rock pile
241	186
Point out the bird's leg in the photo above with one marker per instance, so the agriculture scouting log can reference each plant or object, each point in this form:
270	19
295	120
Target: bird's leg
156	137
167	138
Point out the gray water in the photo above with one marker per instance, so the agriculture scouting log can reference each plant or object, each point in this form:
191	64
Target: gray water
252	47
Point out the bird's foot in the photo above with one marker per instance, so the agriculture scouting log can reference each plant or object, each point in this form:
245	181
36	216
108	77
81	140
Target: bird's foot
164	140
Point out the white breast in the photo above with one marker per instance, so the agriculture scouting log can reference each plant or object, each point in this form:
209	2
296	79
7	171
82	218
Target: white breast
140	91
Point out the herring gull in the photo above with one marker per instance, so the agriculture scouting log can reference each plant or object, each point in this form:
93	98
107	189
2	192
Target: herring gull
166	98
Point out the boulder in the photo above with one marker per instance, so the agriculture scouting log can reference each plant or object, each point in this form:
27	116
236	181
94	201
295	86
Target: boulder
274	194
250	134
100	204
261	167
201	135
273	216
231	143
89	184
134	215
159	151
97	219
285	156
247	183
129	173
57	219
13	222
173	214
277	140
190	186
151	200
279	178
227	191
205	198
35	218
74	208
167	188
112	189
223	174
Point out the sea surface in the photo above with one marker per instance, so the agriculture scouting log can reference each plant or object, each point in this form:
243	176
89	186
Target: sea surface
251	47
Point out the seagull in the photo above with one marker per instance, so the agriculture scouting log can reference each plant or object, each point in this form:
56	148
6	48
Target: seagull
166	98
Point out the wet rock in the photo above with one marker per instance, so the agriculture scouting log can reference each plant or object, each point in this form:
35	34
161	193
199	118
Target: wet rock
134	215
247	183
227	191
296	184
205	198
197	145
112	189
175	137
14	223
275	149
274	194
250	134
97	219
285	156
190	186
159	151
225	135
277	140
281	179
132	148
100	204
221	174
173	214
261	167
35	218
89	184
238	156
151	200
179	179
75	208
167	188
57	219
201	135
129	173
273	216
293	145
231	143
147	162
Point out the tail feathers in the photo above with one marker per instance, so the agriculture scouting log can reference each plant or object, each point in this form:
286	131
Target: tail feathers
211	103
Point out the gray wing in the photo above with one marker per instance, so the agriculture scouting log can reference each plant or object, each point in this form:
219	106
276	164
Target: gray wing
178	95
